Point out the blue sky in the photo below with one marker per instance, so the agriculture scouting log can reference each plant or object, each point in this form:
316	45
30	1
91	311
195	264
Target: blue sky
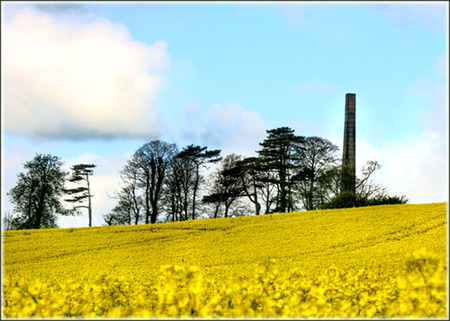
92	82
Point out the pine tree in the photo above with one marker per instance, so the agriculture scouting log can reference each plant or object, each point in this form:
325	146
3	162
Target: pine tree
81	172
280	151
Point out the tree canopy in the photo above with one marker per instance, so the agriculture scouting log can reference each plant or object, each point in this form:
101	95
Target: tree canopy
81	172
37	193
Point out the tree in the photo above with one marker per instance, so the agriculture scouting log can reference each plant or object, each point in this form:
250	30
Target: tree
152	162
250	172
387	199
81	172
179	184
128	207
198	157
367	193
365	188
280	150
121	214
317	158
9	222
118	216
37	193
345	199
130	200
227	185
257	183
269	191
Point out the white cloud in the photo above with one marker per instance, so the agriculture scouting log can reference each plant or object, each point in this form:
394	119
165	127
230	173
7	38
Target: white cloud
79	79
417	168
229	127
365	152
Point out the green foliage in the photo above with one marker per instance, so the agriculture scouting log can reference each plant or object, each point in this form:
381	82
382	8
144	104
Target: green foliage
345	200
37	193
81	172
280	153
386	200
227	184
349	199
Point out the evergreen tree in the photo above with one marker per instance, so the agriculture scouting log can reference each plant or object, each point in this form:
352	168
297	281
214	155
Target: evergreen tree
226	184
81	172
280	152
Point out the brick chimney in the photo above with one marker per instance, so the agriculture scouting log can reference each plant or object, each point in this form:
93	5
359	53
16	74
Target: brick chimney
348	152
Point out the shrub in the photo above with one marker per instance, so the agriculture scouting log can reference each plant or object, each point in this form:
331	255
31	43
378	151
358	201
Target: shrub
345	200
349	199
386	200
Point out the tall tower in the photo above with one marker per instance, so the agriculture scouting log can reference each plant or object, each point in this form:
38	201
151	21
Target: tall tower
348	152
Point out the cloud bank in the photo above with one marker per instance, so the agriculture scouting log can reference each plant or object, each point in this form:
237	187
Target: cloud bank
79	78
229	127
417	166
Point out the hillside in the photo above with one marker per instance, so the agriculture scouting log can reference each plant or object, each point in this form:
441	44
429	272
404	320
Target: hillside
373	238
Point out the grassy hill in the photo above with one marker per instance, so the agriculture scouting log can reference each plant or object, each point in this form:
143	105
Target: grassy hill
377	239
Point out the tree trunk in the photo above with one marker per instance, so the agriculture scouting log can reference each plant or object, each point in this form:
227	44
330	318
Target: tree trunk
197	178
40	209
89	201
147	202
227	208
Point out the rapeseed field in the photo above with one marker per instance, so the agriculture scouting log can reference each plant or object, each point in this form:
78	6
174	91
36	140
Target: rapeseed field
380	261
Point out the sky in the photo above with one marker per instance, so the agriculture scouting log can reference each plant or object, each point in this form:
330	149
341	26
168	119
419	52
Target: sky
91	82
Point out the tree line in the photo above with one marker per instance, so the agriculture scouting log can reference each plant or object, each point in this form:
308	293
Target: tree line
162	183
38	192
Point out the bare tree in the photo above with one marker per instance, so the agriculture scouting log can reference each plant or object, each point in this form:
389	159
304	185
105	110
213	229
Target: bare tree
366	188
317	157
179	184
152	162
129	195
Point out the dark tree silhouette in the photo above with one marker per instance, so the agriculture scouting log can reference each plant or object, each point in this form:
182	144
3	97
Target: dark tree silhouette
199	157
250	172
316	159
37	193
81	172
179	184
227	184
280	151
152	162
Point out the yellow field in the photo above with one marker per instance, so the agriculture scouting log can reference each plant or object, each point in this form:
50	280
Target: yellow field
375	261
